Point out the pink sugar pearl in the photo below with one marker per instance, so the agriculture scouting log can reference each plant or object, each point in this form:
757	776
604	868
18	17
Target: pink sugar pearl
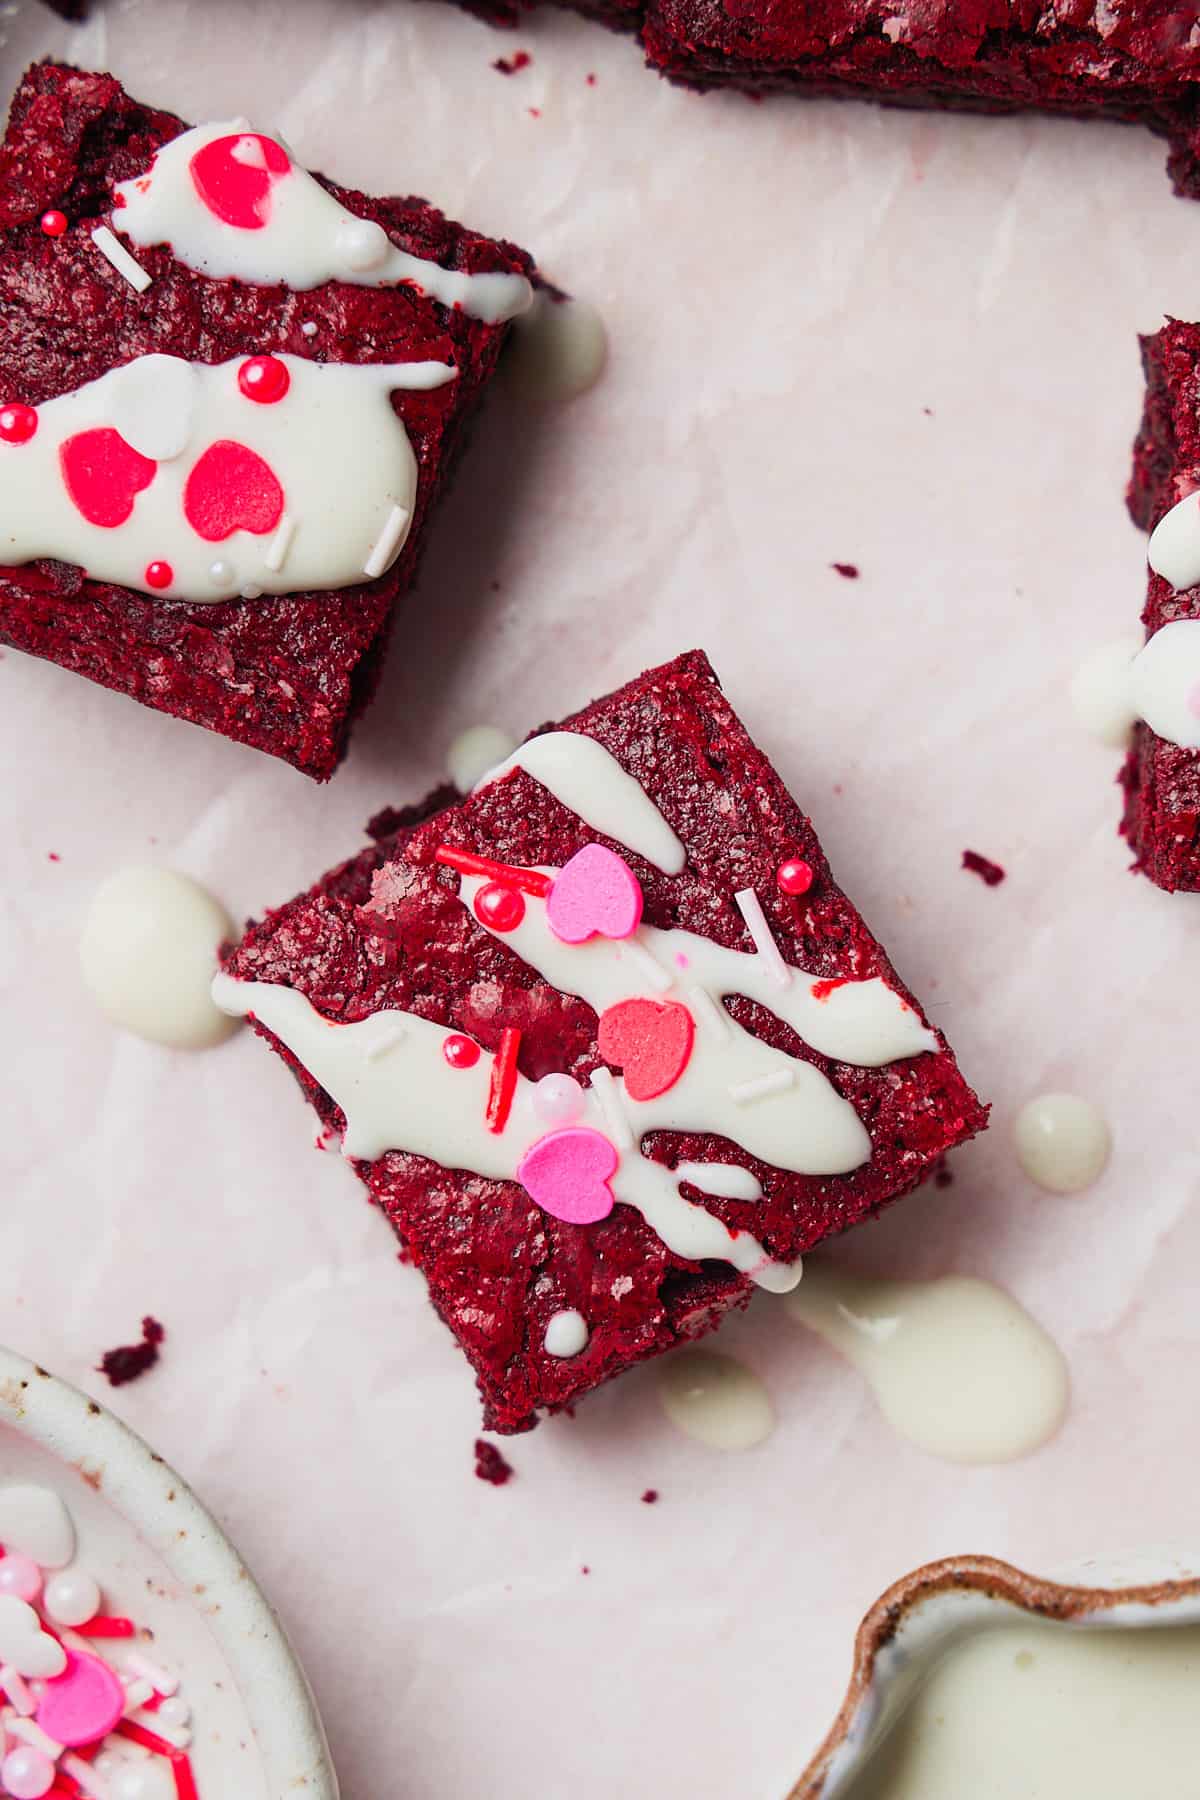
558	1100
20	1577
26	1773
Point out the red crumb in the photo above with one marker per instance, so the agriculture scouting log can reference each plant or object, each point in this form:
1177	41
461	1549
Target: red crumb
128	1361
490	1465
53	856
989	872
591	81
849	570
943	1175
512	65
584	1570
650	1496
535	112
821	990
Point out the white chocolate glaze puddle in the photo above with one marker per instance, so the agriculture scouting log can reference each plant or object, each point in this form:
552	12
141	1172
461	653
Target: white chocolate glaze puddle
957	1366
715	1399
148	950
1062	1141
1039	1712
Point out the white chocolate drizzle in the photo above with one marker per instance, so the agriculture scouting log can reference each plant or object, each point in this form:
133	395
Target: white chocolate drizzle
303	237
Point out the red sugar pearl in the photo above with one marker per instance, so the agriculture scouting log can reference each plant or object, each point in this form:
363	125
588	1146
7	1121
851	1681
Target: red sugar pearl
794	876
264	378
54	223
159	575
17	423
501	908
460	1052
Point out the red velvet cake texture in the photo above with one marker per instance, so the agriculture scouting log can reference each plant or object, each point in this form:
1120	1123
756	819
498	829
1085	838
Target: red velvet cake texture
388	930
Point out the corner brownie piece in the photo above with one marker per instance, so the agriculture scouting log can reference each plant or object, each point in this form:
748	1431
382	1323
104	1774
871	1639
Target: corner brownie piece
633	891
249	588
1161	776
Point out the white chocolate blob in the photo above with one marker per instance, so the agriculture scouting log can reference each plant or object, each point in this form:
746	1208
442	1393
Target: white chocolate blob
715	1399
1174	547
566	1334
302	237
1165	683
1100	692
333	445
558	349
148	950
1063	1142
474	752
956	1365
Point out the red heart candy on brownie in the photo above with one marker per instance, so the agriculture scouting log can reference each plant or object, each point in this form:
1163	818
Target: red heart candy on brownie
104	475
650	1041
231	489
234	176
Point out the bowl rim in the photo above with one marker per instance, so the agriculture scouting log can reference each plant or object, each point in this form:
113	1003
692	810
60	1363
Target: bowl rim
94	1444
989	1580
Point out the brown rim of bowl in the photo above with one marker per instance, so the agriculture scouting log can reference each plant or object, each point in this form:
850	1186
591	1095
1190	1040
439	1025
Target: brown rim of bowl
986	1575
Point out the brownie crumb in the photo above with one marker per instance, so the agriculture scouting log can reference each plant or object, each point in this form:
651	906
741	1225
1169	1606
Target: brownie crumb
584	1570
490	1465
848	570
943	1174
512	65
53	856
591	81
128	1361
650	1497
989	872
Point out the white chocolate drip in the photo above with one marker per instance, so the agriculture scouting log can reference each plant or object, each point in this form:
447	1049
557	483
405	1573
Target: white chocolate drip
308	237
957	1366
333	443
407	1097
775	1106
589	780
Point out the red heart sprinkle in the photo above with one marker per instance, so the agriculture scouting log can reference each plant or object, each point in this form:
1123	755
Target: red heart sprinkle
235	188
104	475
650	1041
231	489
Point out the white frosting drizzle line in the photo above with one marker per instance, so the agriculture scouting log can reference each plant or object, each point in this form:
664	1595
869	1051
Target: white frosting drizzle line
750	907
728	1181
413	1101
652	972
306	239
333	442
585	777
805	1126
115	252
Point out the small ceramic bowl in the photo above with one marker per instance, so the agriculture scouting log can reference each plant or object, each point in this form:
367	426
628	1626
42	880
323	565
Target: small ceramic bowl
161	1559
917	1620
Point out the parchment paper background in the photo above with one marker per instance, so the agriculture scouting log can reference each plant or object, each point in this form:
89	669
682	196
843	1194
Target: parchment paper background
906	342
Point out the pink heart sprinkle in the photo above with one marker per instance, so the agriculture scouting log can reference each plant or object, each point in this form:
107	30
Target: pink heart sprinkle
568	1172
596	895
81	1705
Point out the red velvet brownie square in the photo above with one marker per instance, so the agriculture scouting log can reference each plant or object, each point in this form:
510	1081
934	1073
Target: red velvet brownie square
605	1041
231	393
1131	59
1162	771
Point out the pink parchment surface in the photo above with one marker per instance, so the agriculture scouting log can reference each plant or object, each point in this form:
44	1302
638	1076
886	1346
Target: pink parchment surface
906	342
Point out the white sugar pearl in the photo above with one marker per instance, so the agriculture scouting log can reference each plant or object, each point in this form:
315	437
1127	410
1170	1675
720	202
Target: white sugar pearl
557	1099
72	1598
566	1334
474	752
1063	1142
175	1711
362	244
220	573
309	328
